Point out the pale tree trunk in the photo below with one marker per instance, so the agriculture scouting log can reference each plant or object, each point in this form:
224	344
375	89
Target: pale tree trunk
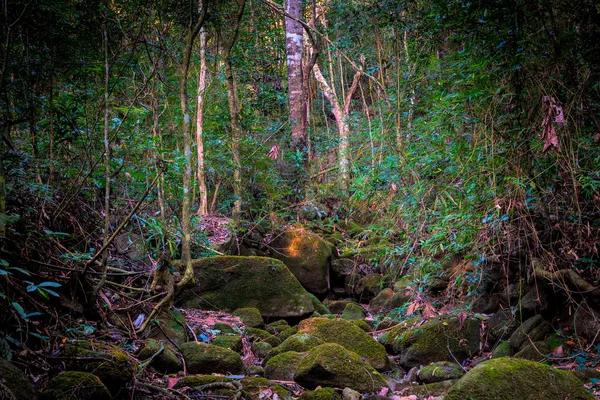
186	257
203	207
234	114
297	101
107	157
340	113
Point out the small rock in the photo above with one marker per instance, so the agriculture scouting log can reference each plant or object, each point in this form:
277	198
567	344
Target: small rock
261	349
534	329
15	380
75	385
502	350
202	358
349	394
538	351
250	317
233	342
440	371
379	303
343	266
353	312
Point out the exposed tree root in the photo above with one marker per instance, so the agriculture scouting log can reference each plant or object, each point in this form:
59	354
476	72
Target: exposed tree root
566	279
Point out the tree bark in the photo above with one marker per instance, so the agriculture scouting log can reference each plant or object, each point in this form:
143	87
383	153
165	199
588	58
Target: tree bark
234	114
203	207
297	99
186	257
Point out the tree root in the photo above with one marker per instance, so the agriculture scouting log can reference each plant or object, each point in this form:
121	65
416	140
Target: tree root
567	279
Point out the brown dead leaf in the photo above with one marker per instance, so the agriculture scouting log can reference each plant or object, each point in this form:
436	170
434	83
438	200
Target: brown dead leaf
172	381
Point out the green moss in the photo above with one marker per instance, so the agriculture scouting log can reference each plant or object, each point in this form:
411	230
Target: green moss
348	335
16	380
370	285
538	351
75	385
587	375
353	312
300	342
333	365
440	371
307	255
320	394
250	316
281	392
201	358
318	306
286	333
443	338
380	301
261	335
232	282
199	380
283	366
223	327
255	370
261	349
438	389
112	365
512	379
502	350
362	324
276	327
229	342
172	327
337	306
165	361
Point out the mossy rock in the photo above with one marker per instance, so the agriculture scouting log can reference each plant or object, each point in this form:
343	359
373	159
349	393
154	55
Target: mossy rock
369	286
362	324
391	338
397	301
516	379
379	303
350	285
443	338
538	351
165	362
587	375
75	385
276	327
534	329
111	364
286	333
350	336
343	266
502	350
254	387
231	282
300	342
501	325
261	349
250	316
202	358
440	371
320	394
307	255
256	334
333	365
401	284
200	380
353	312
232	342
337	306
283	366
318	305
223	327
16	381
426	391
172	327
255	370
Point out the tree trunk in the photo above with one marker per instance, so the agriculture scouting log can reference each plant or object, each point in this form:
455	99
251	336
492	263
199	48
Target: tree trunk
186	257
234	114
297	101
203	207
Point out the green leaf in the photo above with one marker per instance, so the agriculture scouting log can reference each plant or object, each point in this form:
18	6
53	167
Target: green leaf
52	292
21	270
49	284
3	272
20	310
4	263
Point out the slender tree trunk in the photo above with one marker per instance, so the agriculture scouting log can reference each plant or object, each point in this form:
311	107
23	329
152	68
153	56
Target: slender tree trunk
297	100
341	118
234	114
203	208
107	157
186	257
2	196
51	145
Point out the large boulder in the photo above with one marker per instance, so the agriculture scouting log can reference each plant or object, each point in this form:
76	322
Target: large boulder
15	380
202	358
348	335
444	338
231	282
75	385
307	255
109	363
508	378
283	366
298	343
333	365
